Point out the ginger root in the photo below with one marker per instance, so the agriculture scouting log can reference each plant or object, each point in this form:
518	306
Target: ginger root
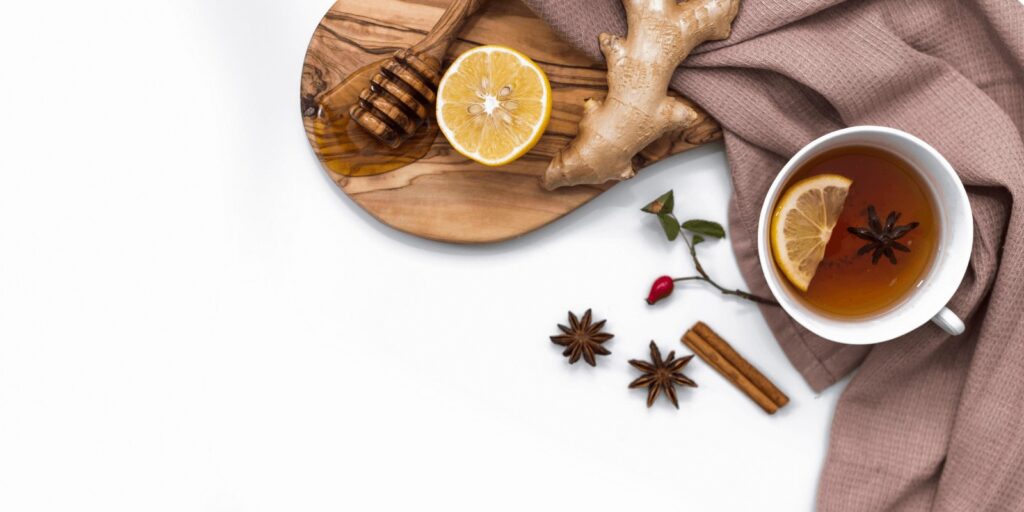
637	109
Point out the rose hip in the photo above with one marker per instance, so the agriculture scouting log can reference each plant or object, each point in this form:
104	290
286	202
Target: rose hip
661	288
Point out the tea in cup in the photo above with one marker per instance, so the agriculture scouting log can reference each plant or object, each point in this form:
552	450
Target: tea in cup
865	235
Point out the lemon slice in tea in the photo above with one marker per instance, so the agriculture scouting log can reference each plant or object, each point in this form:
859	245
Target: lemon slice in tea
493	104
802	225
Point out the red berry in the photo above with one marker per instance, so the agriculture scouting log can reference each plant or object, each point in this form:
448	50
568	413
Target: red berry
661	288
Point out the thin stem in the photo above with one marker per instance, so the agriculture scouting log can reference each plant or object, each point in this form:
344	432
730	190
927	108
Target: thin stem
705	277
751	297
689	278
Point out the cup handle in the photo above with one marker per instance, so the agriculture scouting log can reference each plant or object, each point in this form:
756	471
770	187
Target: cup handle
949	322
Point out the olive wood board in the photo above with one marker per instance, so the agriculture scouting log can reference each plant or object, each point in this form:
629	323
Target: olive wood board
443	195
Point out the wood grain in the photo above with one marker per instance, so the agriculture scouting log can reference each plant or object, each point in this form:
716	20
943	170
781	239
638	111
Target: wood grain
444	196
400	98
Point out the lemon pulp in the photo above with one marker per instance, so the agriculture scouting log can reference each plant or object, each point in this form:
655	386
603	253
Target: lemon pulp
493	104
802	225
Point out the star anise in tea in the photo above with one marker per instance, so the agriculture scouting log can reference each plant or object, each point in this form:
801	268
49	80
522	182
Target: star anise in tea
582	339
661	375
882	239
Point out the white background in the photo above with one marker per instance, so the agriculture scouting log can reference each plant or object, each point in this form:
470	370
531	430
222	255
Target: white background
192	317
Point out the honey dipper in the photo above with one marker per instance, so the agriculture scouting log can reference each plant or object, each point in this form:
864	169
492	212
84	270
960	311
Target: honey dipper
401	95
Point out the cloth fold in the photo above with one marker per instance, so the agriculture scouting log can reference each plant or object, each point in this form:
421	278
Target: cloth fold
929	421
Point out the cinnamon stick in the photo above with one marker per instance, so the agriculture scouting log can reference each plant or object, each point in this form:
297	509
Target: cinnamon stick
722	357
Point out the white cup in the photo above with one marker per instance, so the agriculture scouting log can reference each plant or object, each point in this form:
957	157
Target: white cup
956	238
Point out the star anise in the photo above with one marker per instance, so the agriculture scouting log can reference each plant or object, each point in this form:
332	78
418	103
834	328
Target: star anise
582	339
661	375
882	239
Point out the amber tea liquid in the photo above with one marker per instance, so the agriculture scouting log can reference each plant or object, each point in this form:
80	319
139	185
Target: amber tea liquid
849	285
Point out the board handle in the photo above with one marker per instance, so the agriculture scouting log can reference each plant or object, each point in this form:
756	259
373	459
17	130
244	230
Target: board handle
400	98
447	27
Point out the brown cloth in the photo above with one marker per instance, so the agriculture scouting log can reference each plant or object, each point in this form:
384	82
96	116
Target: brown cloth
929	422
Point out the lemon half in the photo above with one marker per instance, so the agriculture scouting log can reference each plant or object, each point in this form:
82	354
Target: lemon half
493	104
802	225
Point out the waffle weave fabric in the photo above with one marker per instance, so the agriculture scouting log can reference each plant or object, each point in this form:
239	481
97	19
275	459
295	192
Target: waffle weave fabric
929	421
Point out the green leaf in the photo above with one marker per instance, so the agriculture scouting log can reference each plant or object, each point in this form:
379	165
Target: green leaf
670	225
663	204
697	239
705	227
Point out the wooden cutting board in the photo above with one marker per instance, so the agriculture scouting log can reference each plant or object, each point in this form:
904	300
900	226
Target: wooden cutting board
442	195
